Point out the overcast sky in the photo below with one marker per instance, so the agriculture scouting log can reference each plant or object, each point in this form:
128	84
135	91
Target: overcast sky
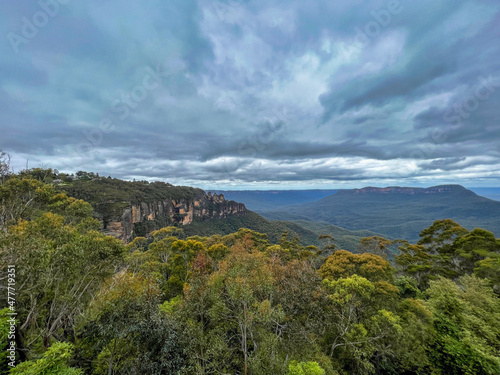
255	94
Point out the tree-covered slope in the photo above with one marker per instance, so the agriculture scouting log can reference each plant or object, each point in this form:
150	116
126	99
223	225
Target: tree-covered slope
253	221
487	192
344	238
307	230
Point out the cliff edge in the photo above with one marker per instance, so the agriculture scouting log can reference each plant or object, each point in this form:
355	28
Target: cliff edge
135	208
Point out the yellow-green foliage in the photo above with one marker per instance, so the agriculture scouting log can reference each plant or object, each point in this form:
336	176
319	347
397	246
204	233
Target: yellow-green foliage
55	361
305	368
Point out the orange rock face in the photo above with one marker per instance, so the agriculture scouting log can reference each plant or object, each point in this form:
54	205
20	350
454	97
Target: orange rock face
182	211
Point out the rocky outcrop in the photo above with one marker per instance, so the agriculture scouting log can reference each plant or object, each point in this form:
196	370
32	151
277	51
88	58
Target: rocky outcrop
171	212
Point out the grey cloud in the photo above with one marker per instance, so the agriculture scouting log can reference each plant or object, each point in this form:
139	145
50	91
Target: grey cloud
444	164
457	163
209	120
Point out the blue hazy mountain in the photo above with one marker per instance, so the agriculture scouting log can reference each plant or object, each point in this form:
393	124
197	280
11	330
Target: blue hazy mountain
266	200
397	212
487	192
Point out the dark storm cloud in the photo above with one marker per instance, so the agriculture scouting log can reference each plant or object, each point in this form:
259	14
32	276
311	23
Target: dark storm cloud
204	92
445	164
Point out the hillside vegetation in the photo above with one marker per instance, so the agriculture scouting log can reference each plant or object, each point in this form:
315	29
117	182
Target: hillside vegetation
251	220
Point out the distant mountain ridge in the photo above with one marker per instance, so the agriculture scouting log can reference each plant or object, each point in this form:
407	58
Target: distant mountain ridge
266	200
407	190
398	212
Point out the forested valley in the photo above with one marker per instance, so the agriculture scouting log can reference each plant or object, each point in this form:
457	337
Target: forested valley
172	303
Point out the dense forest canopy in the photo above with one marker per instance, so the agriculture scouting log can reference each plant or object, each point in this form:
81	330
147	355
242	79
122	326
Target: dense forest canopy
177	303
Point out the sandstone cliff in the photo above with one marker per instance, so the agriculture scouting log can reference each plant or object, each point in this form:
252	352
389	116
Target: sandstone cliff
154	214
135	208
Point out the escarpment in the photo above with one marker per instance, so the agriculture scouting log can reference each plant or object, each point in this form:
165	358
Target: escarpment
141	218
135	208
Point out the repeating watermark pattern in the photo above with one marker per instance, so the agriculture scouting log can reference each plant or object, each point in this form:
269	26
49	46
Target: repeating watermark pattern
381	19
464	109
121	108
11	301
272	123
257	143
225	10
31	26
426	150
456	114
